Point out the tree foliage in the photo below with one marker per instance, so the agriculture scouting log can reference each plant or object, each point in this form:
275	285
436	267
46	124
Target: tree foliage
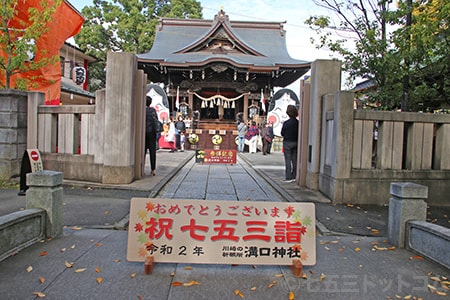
388	44
18	40
126	25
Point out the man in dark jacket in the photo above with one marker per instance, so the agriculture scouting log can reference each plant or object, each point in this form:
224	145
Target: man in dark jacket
151	119
289	131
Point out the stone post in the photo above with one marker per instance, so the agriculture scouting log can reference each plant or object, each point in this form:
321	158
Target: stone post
46	192
325	79
407	203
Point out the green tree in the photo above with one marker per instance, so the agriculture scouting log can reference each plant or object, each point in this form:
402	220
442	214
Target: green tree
126	25
18	44
429	53
394	47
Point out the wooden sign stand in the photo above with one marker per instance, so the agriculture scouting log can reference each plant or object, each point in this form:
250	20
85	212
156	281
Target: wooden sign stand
297	267
149	265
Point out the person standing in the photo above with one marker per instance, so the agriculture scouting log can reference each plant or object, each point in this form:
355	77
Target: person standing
252	136
181	128
289	132
151	119
242	130
271	135
170	136
266	139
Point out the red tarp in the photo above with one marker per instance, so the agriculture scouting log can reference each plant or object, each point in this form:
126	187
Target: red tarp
66	22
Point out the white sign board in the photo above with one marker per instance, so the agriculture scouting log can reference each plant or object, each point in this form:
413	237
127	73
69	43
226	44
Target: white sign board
221	232
35	160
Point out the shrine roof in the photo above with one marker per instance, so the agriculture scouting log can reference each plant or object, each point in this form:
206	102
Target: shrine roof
257	46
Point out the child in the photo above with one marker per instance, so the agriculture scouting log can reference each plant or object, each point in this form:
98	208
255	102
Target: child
182	140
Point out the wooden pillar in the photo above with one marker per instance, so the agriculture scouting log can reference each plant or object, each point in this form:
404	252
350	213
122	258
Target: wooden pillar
246	107
191	105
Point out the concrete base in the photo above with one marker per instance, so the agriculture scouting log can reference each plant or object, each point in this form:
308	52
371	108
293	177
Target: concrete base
118	175
74	167
429	240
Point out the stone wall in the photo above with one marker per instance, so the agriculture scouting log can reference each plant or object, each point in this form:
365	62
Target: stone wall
13	132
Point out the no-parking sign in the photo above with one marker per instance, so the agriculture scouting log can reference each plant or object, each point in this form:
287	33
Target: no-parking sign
35	160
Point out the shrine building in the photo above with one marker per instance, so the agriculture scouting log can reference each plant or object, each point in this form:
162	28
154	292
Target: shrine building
220	68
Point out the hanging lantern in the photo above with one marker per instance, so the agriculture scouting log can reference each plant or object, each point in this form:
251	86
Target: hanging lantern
211	104
225	104
203	104
79	75
232	105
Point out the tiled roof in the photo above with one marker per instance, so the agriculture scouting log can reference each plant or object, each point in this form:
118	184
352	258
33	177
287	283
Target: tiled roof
265	38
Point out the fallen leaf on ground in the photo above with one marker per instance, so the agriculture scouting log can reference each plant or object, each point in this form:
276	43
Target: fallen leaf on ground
238	293
41	279
253	288
436	279
177	283
291	296
117	260
322	277
279	275
383	248
272	284
357	249
418	257
39	294
133	275
99	244
188	268
97	269
190	283
29	269
43	253
328	242
80	270
68	264
76	228
99	280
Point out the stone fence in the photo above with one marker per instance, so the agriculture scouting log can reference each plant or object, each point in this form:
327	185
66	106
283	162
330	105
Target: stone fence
96	143
362	152
407	227
42	217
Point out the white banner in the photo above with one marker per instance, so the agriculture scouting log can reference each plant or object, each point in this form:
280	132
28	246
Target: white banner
221	232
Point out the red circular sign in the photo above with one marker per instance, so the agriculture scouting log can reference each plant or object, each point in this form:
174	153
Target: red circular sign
34	155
